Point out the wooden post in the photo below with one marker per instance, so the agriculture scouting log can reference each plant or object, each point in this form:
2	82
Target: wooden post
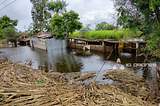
137	48
103	46
75	43
46	45
115	45
32	45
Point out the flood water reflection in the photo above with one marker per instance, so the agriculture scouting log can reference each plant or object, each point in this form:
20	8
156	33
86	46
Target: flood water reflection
74	60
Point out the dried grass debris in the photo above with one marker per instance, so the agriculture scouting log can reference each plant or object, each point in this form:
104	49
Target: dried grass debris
86	76
20	86
130	83
124	76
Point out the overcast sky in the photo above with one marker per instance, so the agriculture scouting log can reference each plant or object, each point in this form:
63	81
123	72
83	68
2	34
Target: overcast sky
90	11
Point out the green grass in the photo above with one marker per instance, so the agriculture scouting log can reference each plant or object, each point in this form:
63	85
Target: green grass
2	41
106	34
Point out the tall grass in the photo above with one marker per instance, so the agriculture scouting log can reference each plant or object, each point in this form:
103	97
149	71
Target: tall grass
106	34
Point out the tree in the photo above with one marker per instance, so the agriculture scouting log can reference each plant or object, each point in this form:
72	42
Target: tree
57	24
154	6
57	6
2	35
68	23
105	26
144	16
40	15
6	22
136	14
71	22
11	34
85	30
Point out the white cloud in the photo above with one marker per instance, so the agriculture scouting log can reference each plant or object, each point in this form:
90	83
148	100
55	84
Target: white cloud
90	11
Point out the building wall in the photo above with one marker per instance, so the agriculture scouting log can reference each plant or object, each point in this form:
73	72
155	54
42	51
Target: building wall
38	43
48	44
93	47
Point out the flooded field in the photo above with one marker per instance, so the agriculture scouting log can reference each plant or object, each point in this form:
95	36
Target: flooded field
74	60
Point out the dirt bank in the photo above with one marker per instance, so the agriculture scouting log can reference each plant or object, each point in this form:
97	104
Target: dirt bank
25	86
3	45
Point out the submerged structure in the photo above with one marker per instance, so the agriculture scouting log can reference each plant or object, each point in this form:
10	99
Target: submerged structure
46	41
107	45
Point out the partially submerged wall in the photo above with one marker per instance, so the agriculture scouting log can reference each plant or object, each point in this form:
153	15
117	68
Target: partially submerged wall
48	44
38	43
55	44
101	48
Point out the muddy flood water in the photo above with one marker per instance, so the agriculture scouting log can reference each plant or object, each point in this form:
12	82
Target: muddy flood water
75	60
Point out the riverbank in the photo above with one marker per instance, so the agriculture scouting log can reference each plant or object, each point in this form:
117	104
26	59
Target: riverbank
21	85
3	45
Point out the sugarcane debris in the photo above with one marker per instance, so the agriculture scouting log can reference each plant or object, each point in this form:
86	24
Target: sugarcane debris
124	76
130	83
22	86
86	76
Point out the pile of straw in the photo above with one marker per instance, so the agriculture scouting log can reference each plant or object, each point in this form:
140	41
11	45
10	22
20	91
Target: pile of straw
130	83
23	86
86	76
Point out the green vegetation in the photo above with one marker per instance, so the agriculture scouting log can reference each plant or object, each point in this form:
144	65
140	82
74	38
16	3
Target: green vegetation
85	29
107	34
57	6
11	34
68	22
8	30
144	16
105	26
6	22
40	15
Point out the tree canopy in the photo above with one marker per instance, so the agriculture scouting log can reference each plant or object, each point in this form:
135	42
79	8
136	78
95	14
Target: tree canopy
136	14
105	26
68	23
144	16
11	34
40	15
57	6
5	21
